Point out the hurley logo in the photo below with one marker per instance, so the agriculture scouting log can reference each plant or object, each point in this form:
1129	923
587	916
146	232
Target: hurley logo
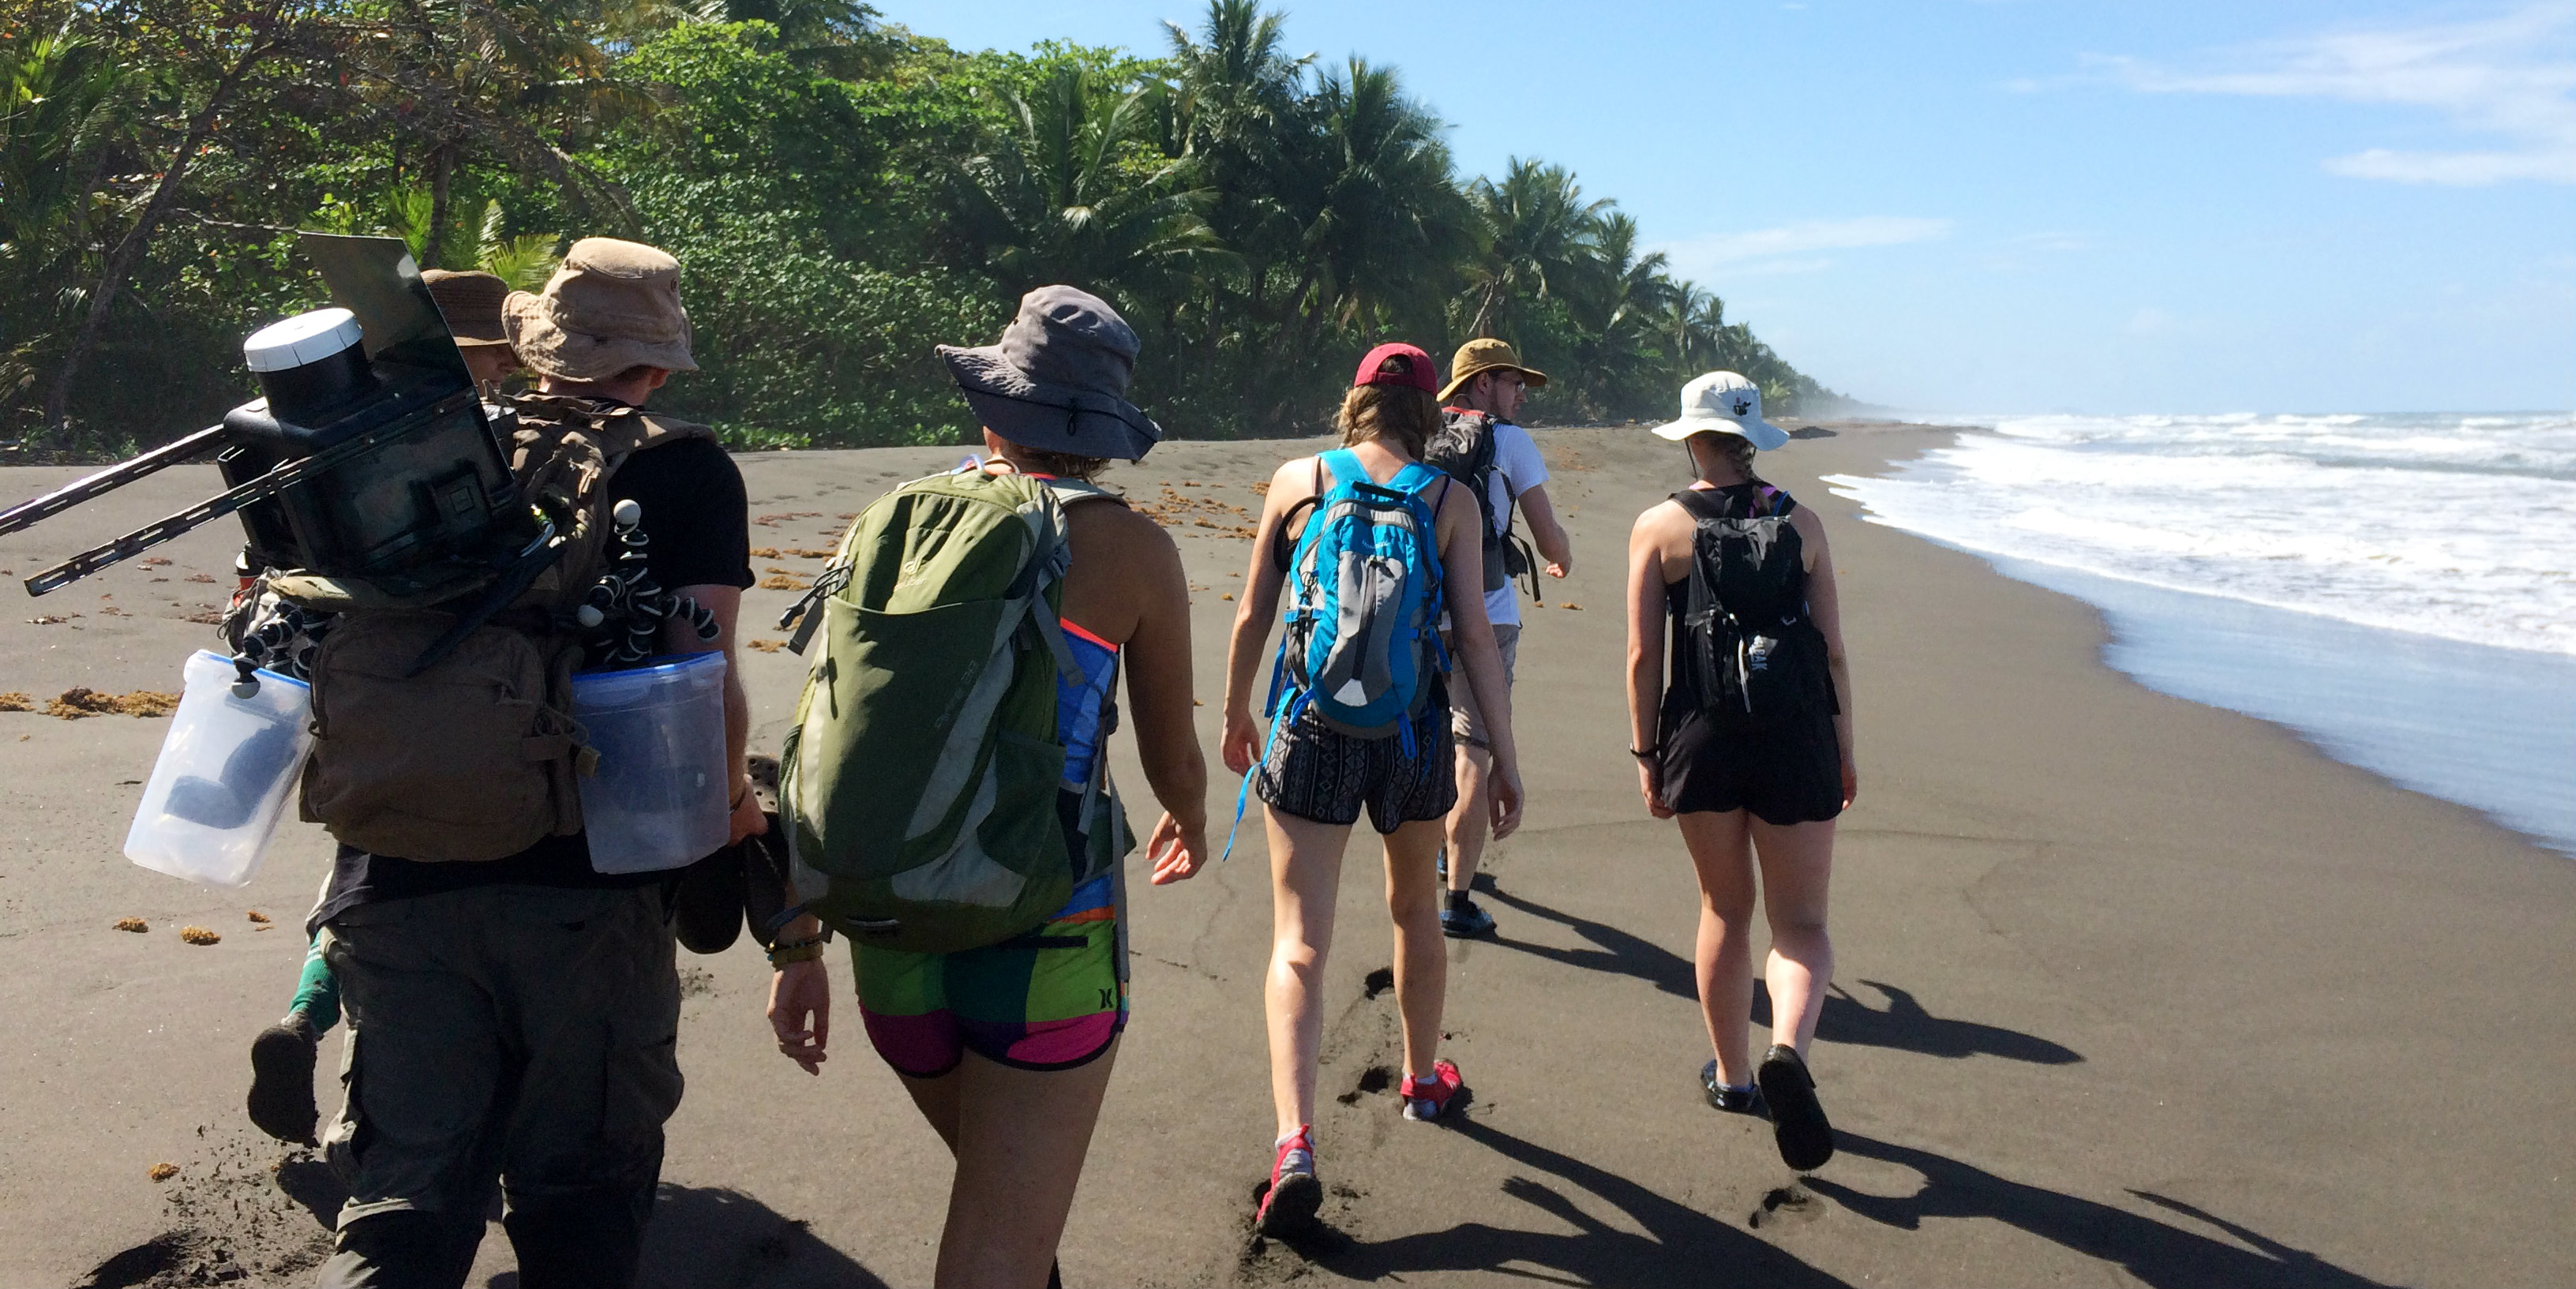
1743	405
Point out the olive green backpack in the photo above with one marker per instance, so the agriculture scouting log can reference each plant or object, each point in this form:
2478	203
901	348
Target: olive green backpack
919	784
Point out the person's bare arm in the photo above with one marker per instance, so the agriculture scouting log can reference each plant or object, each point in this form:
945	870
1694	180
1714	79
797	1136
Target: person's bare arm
1646	548
1546	533
1159	693
1825	609
680	636
1293	482
1462	564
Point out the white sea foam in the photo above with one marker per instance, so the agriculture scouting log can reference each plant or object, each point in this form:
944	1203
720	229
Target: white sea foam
2462	527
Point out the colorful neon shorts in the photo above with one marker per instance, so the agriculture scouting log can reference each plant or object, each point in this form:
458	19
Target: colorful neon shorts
1052	999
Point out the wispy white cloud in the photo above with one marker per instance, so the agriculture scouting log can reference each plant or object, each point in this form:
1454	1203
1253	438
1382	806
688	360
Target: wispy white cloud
1792	248
2512	77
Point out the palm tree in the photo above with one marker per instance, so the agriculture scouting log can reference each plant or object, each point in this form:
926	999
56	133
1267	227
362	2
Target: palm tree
1541	238
1069	193
1380	218
59	101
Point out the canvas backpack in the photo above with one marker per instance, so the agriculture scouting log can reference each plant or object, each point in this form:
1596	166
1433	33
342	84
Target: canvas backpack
920	783
1465	450
1750	649
476	756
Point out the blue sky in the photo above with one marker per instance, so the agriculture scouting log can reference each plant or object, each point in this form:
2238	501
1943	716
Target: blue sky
1950	205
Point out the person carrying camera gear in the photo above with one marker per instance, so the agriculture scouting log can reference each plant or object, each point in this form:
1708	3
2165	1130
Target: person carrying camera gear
471	302
513	1013
1480	446
281	638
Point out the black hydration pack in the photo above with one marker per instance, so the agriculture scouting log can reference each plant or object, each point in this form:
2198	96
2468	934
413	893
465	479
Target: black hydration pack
1747	644
1464	449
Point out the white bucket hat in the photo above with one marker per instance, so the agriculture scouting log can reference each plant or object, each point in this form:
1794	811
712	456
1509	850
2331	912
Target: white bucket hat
1721	402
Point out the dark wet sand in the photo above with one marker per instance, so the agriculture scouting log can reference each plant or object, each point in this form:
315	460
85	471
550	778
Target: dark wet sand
2128	989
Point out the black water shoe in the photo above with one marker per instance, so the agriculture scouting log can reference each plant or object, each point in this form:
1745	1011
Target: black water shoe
281	1079
1797	1118
1461	919
1743	1100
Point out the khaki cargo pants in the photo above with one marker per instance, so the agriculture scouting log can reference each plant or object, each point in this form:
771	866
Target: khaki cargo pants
518	1034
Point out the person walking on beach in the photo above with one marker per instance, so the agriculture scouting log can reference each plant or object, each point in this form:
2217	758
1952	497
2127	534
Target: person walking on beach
1749	745
1481	446
1007	1048
1359	720
514	1012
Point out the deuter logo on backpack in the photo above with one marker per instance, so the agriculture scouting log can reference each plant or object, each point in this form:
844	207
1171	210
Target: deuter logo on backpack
1361	632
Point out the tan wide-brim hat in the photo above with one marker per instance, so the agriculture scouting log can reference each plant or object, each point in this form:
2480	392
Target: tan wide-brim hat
613	305
1481	355
471	302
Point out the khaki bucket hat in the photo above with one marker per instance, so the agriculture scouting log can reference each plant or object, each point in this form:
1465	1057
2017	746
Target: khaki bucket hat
613	305
471	303
1482	355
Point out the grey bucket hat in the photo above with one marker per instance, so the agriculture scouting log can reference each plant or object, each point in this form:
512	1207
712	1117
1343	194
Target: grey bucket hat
1058	381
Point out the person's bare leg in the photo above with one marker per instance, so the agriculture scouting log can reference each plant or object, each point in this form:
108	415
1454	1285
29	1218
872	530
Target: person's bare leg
1797	864
1467	822
1421	955
1305	877
1722	857
937	1101
1021	1138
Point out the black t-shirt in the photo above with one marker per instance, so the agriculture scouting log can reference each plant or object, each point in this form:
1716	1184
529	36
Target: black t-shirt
698	525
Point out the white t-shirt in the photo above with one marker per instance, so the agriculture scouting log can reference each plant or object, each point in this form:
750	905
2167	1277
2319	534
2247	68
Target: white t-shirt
1518	467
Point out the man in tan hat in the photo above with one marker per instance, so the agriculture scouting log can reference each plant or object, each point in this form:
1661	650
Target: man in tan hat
1482	446
520	1014
471	301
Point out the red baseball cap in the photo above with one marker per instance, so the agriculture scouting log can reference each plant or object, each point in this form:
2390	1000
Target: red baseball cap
1396	363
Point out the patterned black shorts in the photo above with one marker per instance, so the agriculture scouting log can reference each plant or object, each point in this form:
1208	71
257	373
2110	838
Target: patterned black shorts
1317	772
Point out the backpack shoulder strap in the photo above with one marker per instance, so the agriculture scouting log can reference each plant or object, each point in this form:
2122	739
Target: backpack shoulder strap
1071	492
1338	467
1700	504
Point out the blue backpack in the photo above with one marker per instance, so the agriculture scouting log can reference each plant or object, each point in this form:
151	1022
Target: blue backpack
1363	618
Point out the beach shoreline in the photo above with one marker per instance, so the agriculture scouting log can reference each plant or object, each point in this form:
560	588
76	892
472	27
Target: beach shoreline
2129	987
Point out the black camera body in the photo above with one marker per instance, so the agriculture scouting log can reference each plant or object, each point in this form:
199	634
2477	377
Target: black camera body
370	472
430	506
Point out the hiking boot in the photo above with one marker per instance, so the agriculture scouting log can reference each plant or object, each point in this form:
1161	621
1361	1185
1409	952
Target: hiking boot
1733	1100
1289	1206
1462	919
1429	1097
1797	1118
281	1079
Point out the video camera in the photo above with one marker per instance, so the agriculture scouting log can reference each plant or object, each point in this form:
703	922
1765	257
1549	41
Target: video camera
368	475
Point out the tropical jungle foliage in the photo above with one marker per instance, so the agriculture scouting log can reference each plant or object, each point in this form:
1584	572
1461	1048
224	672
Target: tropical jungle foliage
843	194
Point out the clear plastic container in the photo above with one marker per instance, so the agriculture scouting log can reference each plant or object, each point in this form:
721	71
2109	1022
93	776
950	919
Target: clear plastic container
660	798
224	775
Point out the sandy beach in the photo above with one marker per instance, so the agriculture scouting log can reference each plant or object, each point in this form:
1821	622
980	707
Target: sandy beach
2129	990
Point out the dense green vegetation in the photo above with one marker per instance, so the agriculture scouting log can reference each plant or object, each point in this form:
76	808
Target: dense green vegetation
842	193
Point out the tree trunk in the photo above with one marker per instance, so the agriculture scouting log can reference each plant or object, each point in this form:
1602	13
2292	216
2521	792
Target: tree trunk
442	172
137	239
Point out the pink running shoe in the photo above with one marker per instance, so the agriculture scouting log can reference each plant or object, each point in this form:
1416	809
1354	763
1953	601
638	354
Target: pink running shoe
1427	1098
1288	1208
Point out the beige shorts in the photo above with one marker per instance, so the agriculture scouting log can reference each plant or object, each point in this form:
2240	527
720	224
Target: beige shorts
1466	719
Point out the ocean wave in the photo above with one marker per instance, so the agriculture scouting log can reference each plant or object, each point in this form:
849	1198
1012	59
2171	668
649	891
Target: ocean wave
2456	526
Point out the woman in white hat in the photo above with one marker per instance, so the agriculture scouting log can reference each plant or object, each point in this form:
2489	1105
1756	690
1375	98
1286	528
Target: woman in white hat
1749	745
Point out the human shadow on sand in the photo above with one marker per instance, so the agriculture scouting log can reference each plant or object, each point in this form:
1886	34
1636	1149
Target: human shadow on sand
1902	1023
1679	1245
715	1238
2157	1253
